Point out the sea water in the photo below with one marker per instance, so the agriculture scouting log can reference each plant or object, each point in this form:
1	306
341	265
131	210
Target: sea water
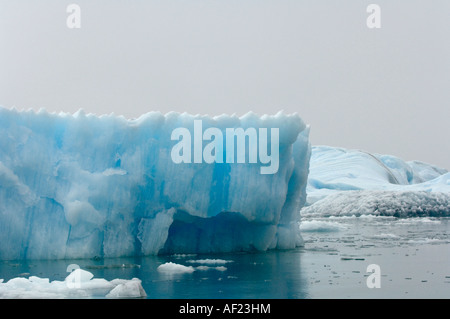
413	255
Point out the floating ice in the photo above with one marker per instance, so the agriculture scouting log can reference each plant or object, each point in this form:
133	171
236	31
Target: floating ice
173	268
204	268
321	226
350	182
78	284
79	186
210	261
385	236
127	289
79	275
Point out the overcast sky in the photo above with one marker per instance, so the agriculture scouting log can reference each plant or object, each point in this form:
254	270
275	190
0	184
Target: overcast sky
383	90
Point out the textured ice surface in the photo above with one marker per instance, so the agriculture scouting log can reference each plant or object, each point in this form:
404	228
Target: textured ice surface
79	284
170	268
84	185
173	268
381	202
209	261
351	182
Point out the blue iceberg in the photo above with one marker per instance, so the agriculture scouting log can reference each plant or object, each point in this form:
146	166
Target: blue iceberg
81	186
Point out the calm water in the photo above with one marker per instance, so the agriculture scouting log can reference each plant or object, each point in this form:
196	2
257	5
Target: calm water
413	255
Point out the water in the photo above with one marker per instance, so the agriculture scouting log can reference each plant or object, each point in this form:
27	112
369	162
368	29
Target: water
413	255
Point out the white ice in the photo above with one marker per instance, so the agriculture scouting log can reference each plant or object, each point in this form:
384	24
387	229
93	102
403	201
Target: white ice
78	284
173	268
209	261
346	182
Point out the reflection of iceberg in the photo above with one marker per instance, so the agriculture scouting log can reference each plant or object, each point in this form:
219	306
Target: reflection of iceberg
350	182
84	186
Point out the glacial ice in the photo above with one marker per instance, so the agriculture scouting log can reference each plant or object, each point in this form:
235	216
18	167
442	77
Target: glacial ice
84	287
82	186
209	261
382	203
174	268
345	182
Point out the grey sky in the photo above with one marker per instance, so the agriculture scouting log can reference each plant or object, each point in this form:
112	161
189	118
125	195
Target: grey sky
382	90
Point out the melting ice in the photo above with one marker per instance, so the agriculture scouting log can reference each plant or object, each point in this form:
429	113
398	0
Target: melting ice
80	186
346	182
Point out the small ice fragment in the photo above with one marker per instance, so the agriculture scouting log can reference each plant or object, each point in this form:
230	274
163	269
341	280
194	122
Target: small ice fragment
174	268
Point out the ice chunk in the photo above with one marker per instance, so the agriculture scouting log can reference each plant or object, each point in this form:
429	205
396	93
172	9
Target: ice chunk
173	268
128	289
205	268
210	261
79	275
80	186
89	287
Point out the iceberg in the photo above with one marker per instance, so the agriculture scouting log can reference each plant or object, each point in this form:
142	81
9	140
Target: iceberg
82	186
345	182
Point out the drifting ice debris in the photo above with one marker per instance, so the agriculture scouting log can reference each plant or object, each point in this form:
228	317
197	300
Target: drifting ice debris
78	284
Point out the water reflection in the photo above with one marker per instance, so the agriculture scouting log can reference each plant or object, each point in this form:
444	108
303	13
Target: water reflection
274	274
412	253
